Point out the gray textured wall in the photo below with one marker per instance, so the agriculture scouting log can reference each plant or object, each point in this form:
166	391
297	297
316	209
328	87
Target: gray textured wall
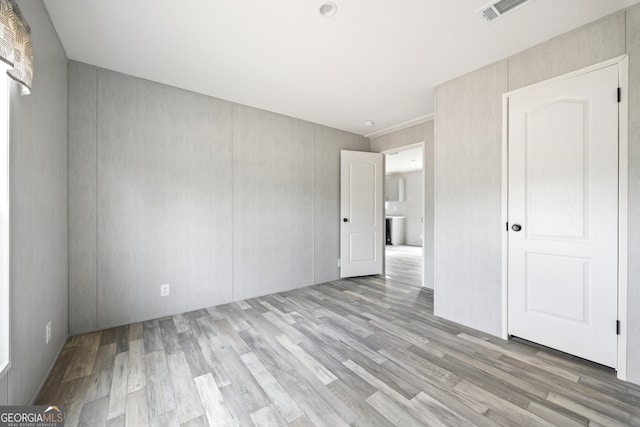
633	331
400	138
429	168
596	42
82	195
164	199
4	392
38	144
272	202
468	170
221	201
468	198
411	207
420	133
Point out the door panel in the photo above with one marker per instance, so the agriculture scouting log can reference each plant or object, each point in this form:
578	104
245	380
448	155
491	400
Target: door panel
563	191
564	278
555	184
362	175
362	247
361	205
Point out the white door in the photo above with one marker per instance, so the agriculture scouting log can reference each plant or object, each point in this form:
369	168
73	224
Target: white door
563	195
361	213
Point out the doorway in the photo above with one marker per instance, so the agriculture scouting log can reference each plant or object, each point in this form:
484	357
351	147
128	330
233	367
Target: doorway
564	205
404	213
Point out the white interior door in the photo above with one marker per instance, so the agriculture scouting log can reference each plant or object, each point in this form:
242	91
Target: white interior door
563	194
361	213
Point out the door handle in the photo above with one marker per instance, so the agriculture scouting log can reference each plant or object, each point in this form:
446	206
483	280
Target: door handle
516	227
345	220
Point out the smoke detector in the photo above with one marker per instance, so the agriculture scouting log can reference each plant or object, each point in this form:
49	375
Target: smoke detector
497	9
328	9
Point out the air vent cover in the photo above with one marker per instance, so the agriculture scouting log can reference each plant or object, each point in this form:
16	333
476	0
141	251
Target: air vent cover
497	9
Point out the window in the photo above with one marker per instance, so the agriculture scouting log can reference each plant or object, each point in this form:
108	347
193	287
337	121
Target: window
4	225
16	57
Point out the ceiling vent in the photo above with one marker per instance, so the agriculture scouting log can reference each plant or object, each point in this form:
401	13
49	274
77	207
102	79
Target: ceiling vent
497	9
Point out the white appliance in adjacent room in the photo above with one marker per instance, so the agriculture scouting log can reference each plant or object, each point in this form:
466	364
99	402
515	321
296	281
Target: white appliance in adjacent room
395	230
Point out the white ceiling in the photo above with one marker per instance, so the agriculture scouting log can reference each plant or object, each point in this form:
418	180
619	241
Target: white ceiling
407	160
374	60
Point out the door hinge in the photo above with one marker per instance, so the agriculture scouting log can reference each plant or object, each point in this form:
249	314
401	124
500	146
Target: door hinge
619	94
617	327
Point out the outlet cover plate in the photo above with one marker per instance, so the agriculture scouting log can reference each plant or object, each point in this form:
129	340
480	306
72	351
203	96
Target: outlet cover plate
165	290
48	333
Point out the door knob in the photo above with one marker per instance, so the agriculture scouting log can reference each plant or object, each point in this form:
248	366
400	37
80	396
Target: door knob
516	227
345	220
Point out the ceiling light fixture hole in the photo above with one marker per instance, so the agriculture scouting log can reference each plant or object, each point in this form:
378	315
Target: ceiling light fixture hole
328	9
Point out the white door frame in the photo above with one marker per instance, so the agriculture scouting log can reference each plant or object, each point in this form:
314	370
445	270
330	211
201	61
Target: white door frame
623	196
424	200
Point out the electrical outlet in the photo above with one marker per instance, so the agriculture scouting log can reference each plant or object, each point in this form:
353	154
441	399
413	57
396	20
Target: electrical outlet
47	333
164	290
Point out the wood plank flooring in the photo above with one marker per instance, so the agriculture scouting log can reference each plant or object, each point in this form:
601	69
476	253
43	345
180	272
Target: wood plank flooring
361	352
404	264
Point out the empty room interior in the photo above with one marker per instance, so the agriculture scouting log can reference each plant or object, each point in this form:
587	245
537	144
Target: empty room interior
320	213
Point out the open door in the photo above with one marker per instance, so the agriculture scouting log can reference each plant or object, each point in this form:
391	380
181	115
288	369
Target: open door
361	213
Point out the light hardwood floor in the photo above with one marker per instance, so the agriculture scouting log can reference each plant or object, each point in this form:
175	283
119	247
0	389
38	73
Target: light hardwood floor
362	352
